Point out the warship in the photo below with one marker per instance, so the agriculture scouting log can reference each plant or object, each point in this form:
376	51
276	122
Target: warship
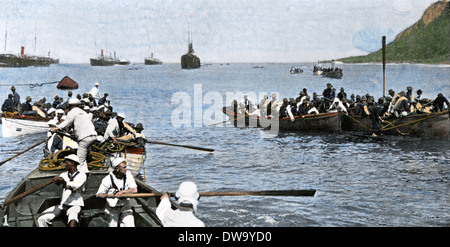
152	61
190	60
23	60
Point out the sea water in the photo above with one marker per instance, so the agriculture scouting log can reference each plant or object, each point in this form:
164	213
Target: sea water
402	181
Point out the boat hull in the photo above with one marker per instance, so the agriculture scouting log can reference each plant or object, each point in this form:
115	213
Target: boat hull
9	60
337	74
152	61
26	125
25	211
102	62
322	122
430	126
190	61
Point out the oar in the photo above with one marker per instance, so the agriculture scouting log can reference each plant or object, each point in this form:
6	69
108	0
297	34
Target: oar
24	151
30	191
229	120
183	146
235	193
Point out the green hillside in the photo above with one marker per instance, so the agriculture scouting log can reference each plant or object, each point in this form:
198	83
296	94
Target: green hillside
420	43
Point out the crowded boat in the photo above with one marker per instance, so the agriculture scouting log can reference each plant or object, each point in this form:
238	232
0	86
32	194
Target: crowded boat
355	107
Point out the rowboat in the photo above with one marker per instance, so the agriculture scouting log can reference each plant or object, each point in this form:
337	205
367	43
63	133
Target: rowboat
25	211
432	126
322	122
16	125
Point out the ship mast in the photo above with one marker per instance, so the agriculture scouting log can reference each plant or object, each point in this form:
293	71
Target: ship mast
6	34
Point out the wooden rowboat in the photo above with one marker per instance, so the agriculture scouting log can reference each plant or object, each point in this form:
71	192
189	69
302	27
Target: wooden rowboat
322	122
17	125
432	126
25	211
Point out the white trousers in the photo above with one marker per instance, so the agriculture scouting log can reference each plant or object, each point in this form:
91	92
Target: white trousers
52	212
82	152
120	214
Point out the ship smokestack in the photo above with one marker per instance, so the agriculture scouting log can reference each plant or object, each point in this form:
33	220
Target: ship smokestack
22	50
102	52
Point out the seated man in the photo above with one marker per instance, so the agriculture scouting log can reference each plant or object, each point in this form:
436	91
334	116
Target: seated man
71	201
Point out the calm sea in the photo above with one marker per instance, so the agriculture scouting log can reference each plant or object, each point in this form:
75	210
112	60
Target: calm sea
400	181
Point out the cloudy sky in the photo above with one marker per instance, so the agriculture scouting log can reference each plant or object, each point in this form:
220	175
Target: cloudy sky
222	30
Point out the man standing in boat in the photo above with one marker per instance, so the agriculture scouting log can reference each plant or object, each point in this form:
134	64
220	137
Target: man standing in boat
94	91
119	181
84	130
16	98
71	200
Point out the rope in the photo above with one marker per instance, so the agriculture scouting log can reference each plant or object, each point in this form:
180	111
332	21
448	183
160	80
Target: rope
31	85
96	156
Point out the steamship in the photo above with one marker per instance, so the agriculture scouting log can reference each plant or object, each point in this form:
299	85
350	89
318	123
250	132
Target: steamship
23	60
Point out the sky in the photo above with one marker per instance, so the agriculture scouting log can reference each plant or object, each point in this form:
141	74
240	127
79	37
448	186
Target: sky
222	30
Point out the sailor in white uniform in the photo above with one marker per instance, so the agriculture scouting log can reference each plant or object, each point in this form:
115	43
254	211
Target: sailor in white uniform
188	196
71	200
119	181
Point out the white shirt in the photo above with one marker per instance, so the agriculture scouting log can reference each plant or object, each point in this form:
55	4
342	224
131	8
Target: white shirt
81	122
107	187
95	93
72	197
112	130
176	218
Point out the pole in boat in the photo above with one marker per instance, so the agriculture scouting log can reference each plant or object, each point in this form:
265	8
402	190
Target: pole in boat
384	63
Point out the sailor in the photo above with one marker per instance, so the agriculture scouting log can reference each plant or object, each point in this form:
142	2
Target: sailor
291	109
56	102
187	200
16	97
59	114
27	108
283	108
115	128
377	111
71	201
342	95
337	106
54	140
119	181
419	94
94	91
83	128
328	92
303	108
410	95
8	104
401	106
438	104
312	109
103	100
273	105
263	105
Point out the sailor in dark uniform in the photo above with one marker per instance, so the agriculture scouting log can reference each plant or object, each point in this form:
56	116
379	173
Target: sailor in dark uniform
8	105
376	112
438	103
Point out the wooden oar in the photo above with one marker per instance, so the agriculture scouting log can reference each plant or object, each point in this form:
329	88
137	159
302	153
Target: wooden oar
24	151
30	191
234	193
183	146
229	120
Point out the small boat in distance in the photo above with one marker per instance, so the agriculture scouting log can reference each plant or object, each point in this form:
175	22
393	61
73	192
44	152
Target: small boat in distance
296	70
152	61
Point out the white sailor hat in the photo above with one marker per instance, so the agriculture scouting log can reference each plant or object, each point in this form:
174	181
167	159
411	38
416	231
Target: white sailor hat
117	161
74	102
51	110
73	158
96	84
60	111
121	115
188	193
